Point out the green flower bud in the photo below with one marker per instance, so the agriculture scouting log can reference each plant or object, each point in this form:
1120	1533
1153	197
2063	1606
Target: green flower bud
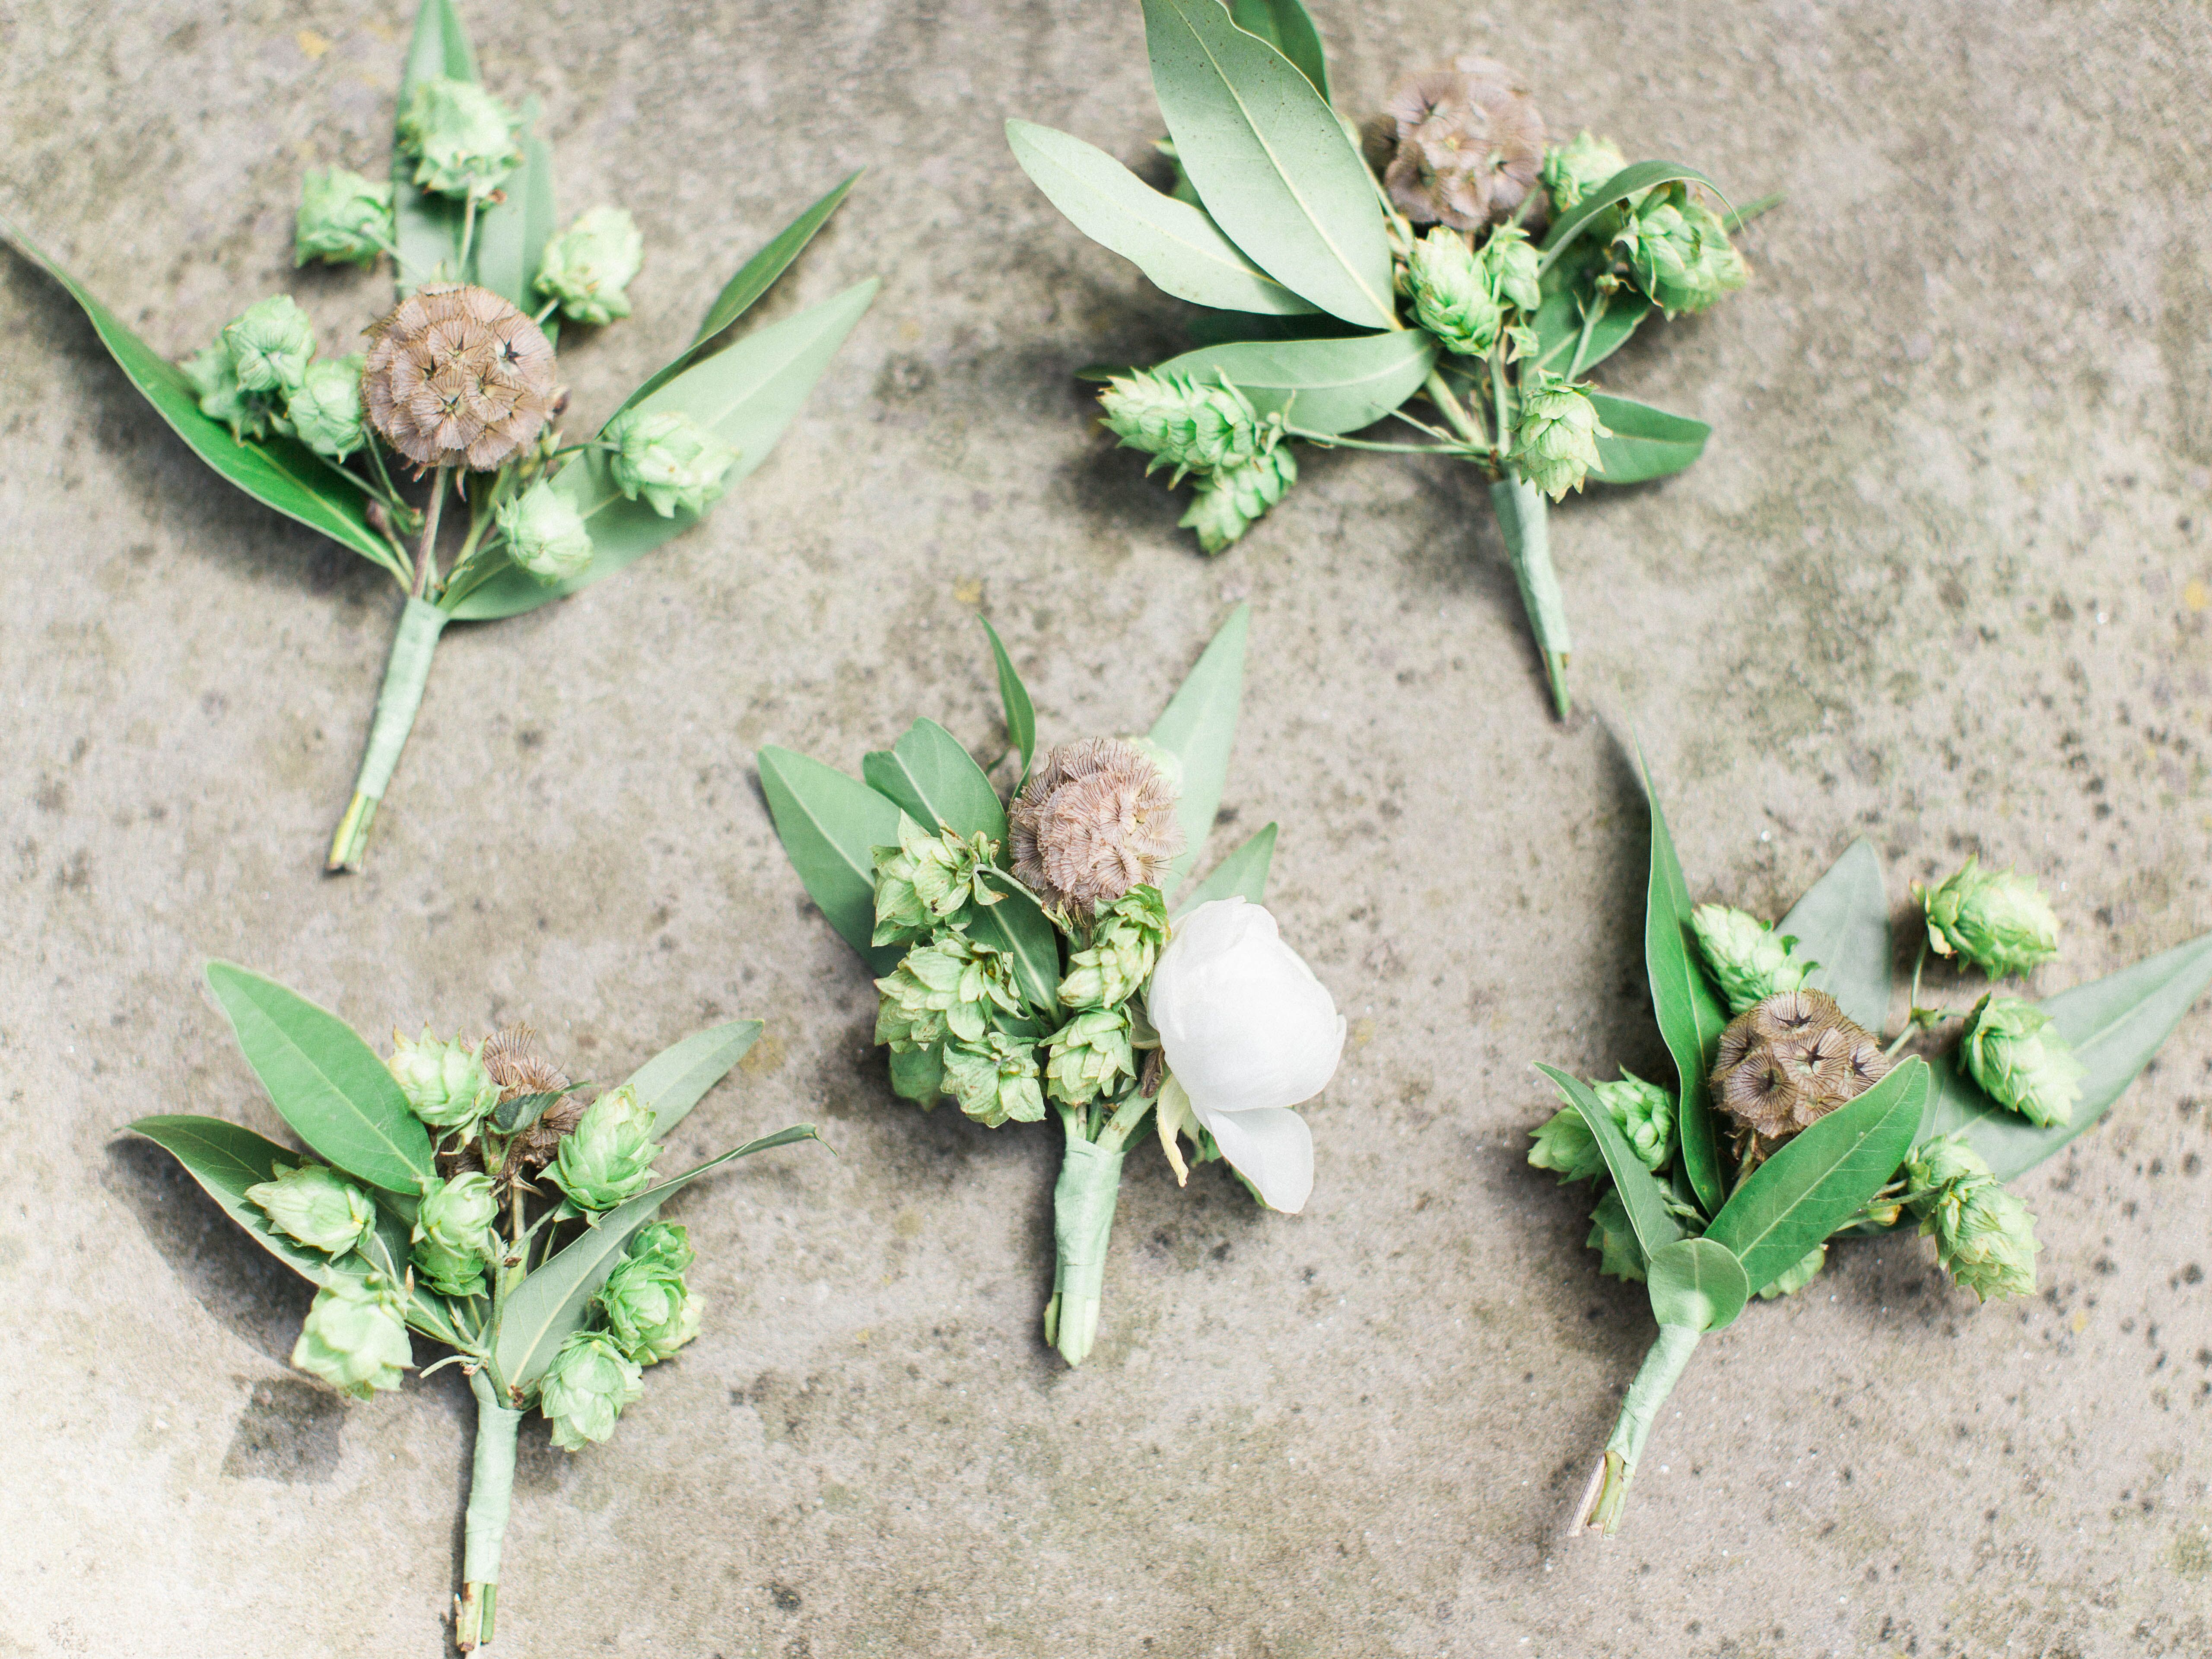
1679	251
317	1206
213	376
2015	1054
666	1242
1984	1237
446	1083
927	879
1186	425
587	266
1124	944
609	1155
586	1388
462	138
1614	1239
1747	959
995	1079
1999	920
1451	298
1793	1279
1578	167
949	986
1229	501
344	219
1643	1113
650	1311
1510	271
1933	1164
1555	445
669	458
324	410
355	1337
269	343
545	535
1084	1056
452	1235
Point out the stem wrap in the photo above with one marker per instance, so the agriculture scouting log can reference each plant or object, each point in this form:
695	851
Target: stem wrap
491	1493
1524	516
1654	1380
405	673
1082	1217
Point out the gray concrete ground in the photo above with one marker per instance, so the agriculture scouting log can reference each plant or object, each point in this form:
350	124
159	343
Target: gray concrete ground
1941	579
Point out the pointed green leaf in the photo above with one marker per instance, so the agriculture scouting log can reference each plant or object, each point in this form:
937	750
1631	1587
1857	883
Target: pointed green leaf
511	235
1014	698
1640	1192
1691	1018
1016	926
937	783
1199	727
1244	871
830	826
673	1080
325	1082
428	227
1821	1176
1329	386
1175	243
1637	176
1843	924
1698	1283
1642	442
1271	161
1284	25
1558	325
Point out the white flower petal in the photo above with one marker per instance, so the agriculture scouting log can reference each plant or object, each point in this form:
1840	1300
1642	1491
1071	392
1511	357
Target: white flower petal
1271	1148
1245	1024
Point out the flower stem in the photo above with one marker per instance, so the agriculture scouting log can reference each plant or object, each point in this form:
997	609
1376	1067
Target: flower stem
1608	1491
1469	426
1082	1217
491	1494
1524	516
404	676
426	550
1591	319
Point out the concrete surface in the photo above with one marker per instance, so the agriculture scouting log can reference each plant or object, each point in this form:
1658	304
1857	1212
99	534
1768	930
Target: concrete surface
1941	579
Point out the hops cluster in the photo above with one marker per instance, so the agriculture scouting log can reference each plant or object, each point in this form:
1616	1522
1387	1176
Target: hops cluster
1643	1112
445	1083
1213	431
1462	296
458	377
929	881
1123	947
1228	501
1997	920
1984	1237
1790	1060
1460	146
343	218
464	140
608	1156
1555	443
355	1336
315	1206
951	986
648	1307
588	265
2012	1049
668	458
1574	169
1096	819
453	1236
1678	250
544	534
1747	959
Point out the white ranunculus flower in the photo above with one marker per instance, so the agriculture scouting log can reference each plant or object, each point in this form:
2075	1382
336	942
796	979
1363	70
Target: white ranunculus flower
1250	1033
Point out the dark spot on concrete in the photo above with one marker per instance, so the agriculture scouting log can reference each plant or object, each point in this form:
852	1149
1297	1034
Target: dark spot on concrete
784	1597
288	1432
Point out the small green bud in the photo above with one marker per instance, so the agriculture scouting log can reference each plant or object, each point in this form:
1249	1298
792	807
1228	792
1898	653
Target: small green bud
1451	298
324	410
927	879
1643	1112
1085	1055
545	534
1565	1143
446	1083
1679	251
650	1311
1228	501
452	1235
609	1155
949	986
269	343
918	1073
1555	445
1124	946
588	265
318	1206
1614	1239
1749	961
1510	269
586	1388
1578	167
462	138
355	1336
2015	1054
213	376
1184	424
666	1242
1937	1163
343	218
667	458
1793	1279
995	1079
1996	920
1984	1237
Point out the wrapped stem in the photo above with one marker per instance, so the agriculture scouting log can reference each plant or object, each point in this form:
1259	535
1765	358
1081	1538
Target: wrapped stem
1524	516
1082	1217
491	1491
404	676
1608	1491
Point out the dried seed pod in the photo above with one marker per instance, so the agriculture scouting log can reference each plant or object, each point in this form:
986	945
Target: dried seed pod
1462	146
1789	1060
458	377
518	1063
1096	818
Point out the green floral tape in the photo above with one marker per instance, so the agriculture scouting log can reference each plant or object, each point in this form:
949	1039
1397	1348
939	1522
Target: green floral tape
491	1486
1082	1217
404	677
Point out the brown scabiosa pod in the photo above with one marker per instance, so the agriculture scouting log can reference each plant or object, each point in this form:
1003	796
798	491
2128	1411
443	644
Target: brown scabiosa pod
1787	1061
517	1062
1460	146
1096	818
458	377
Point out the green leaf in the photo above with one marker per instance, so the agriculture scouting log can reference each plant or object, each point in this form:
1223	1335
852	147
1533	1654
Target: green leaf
747	395
1173	243
428	227
1696	1282
1244	871
937	783
540	1312
225	1159
512	1117
1691	1018
1017	926
1273	163
1558	325
673	1080
1014	698
511	235
325	1082
1329	386
1843	924
1199	727
1637	176
1640	1192
1821	1176
2114	1025
1284	25
1206	328
754	278
830	826
1642	442
278	472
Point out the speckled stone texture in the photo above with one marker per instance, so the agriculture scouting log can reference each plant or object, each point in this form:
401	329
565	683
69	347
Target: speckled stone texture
1941	579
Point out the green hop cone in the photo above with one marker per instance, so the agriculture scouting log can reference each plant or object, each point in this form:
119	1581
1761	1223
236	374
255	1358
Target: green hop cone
927	879
1451	298
668	458
1748	960
462	138
1085	1057
1679	251
1186	425
666	1242
2013	1051
1555	445
344	220
951	986
588	265
270	341
453	1238
609	1155
318	1206
586	1388
1936	1164
1228	501
213	377
1643	1112
355	1337
1984	1237
1795	1278
1124	944
650	1311
1574	169
995	1079
1996	920
446	1083
1510	269
545	534
324	410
